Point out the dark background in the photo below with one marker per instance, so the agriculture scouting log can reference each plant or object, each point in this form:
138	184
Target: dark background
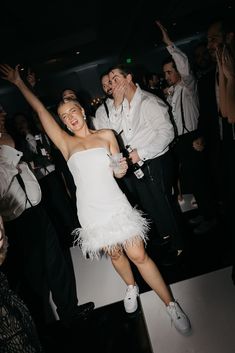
47	36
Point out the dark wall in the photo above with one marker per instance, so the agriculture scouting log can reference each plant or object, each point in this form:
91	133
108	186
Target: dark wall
85	79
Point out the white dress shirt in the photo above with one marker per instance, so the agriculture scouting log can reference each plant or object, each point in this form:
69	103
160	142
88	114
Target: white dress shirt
13	200
102	120
188	88
32	143
145	123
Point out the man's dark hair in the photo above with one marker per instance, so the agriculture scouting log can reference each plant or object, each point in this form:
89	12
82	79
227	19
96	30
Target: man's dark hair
30	119
169	60
103	74
124	69
68	89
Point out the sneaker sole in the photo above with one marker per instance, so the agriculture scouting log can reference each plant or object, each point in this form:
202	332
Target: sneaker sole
128	311
184	332
131	311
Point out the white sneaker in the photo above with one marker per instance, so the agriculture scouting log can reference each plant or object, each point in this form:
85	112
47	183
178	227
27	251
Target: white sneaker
178	317
130	300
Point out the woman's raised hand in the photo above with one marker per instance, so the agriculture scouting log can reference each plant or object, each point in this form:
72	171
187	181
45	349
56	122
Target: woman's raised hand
10	74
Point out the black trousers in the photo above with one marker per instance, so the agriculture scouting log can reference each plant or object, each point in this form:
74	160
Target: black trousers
35	265
194	172
154	191
59	207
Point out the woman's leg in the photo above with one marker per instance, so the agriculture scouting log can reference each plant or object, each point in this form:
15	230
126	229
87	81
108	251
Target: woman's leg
149	271
122	266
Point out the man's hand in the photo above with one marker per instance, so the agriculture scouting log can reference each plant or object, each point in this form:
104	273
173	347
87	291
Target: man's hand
199	144
228	63
134	157
165	37
119	93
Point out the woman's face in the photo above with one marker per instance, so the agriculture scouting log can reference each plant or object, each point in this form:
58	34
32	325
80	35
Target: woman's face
72	115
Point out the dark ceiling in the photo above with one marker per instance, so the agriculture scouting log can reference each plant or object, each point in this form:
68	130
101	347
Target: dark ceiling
48	35
70	44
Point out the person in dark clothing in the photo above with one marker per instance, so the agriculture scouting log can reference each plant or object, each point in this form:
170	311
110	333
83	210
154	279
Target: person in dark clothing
18	332
221	46
52	173
35	265
189	148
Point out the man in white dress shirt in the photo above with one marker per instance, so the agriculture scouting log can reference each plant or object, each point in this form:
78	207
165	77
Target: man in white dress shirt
35	264
102	118
189	149
144	121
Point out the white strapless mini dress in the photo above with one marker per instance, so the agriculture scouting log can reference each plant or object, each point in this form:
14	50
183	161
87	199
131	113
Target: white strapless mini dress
106	217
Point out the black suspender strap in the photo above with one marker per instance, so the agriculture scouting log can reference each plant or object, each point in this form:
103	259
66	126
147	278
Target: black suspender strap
21	182
176	134
106	108
182	112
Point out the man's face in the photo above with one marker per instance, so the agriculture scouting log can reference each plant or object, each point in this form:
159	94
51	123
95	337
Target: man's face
215	39
117	78
106	85
202	57
69	94
171	75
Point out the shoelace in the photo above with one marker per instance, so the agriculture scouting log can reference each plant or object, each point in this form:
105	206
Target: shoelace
128	291
173	308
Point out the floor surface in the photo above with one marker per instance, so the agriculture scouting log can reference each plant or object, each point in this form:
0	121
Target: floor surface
200	280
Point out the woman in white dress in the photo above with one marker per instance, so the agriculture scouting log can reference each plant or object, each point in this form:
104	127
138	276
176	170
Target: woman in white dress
109	224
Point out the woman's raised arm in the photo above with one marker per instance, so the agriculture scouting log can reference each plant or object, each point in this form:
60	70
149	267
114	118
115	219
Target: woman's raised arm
53	130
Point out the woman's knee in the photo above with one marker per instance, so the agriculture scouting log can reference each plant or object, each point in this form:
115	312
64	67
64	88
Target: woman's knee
115	255
138	257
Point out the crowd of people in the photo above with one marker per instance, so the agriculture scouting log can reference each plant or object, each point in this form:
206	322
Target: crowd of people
56	178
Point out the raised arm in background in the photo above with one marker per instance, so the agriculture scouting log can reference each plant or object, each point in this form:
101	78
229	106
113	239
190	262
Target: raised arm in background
180	58
54	131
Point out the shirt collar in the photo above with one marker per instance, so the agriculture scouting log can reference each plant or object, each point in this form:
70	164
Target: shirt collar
10	155
136	98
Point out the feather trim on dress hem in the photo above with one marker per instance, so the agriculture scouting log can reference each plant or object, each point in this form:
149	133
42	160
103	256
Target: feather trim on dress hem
120	231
